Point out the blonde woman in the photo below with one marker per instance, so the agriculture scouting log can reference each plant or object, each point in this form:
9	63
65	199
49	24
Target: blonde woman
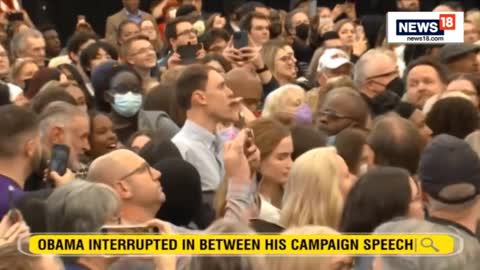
309	262
287	105
318	184
279	57
22	72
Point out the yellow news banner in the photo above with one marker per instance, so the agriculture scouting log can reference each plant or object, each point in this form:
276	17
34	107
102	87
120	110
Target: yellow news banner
244	244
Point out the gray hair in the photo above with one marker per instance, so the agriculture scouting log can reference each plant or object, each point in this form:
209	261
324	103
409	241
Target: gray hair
274	101
359	70
81	207
468	259
58	113
458	208
227	262
19	41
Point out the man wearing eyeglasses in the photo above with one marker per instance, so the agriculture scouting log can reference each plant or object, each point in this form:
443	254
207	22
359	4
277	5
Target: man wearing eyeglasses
139	53
178	32
136	183
376	76
342	108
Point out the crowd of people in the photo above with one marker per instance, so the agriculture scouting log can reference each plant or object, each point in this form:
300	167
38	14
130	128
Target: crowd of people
259	121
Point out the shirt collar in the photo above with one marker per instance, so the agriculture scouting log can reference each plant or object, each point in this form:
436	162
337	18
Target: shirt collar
451	223
199	132
129	14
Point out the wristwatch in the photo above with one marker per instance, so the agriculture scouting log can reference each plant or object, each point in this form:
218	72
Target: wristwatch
263	69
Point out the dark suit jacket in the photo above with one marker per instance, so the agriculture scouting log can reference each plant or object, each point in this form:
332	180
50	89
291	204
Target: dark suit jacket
114	21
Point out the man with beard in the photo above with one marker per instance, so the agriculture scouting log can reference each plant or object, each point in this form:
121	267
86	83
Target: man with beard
408	5
61	123
20	152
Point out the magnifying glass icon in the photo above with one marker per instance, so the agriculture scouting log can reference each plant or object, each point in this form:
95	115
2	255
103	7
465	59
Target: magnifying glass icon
428	243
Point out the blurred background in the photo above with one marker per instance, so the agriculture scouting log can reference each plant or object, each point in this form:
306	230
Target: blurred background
63	13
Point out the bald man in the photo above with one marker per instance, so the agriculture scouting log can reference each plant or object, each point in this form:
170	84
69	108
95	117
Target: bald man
342	108
245	84
396	142
136	183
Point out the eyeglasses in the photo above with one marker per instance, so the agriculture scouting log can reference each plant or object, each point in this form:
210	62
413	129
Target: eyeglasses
390	73
186	32
334	115
142	168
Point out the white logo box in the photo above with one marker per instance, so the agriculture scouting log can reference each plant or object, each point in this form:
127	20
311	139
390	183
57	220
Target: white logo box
419	27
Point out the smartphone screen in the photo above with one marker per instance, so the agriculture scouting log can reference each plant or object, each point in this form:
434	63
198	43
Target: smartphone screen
240	39
188	53
59	160
12	214
15	16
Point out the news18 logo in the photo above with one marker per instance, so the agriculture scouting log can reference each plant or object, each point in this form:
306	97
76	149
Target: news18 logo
424	27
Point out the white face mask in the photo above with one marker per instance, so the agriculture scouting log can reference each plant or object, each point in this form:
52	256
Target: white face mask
128	104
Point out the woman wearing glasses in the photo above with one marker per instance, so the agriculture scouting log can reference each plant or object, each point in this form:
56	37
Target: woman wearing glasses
280	60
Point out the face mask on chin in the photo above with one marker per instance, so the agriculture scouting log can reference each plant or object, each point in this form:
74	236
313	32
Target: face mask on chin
397	86
384	102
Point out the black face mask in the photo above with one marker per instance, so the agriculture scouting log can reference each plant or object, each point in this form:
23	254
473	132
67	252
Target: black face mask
302	31
397	86
384	102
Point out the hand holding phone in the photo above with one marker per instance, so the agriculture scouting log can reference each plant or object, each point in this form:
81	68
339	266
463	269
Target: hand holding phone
248	142
188	53
240	39
59	159
13	214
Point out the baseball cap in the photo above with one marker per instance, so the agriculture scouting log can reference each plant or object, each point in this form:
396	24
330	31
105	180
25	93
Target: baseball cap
450	170
333	58
450	52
